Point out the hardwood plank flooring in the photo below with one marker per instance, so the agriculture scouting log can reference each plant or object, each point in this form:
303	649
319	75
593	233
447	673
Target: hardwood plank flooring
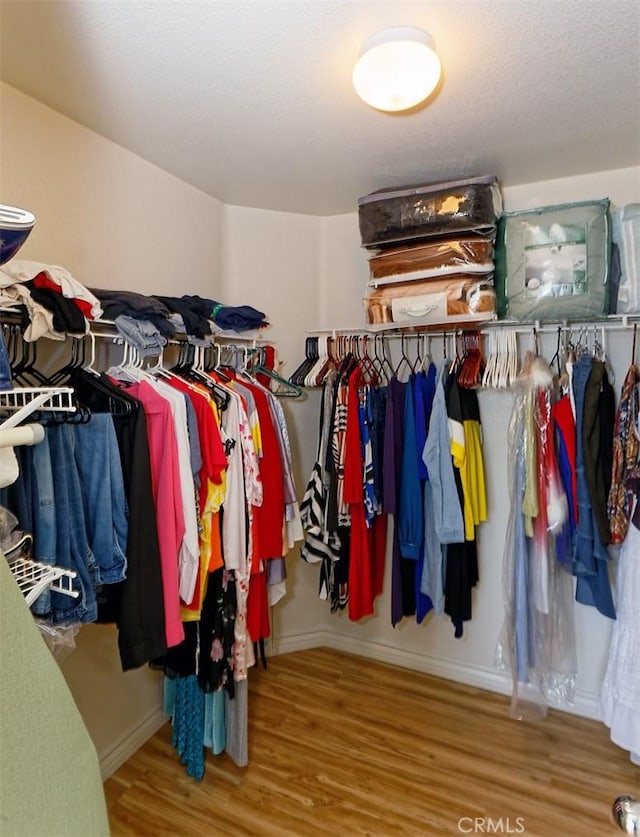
343	745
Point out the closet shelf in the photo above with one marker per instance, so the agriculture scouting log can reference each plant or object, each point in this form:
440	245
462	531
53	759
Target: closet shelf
34	578
49	398
612	322
23	401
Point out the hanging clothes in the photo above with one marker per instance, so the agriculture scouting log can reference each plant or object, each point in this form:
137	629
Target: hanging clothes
403	599
165	477
141	631
321	544
598	430
258	489
590	557
564	435
70	495
620	692
356	493
376	445
626	452
537	641
461	571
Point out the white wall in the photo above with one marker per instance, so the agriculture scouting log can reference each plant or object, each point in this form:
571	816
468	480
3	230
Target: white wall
111	218
270	261
432	646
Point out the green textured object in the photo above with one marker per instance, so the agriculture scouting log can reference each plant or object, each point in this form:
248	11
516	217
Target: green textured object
552	263
50	780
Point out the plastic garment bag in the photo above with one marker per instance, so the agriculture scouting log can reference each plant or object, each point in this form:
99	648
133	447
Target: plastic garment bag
537	641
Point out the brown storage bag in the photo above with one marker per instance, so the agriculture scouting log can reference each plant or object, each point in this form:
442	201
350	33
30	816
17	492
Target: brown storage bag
433	259
434	300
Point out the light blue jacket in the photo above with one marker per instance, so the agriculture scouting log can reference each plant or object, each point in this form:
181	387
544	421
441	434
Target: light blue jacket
447	513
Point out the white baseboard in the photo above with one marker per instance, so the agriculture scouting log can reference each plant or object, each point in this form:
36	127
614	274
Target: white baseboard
130	741
585	704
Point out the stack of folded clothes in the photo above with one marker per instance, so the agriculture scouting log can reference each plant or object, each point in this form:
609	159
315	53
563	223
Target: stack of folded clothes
53	303
431	252
148	321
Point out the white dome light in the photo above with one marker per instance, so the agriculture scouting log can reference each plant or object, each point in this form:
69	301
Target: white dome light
397	69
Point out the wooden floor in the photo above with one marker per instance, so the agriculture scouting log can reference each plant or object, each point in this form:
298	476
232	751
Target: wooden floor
346	746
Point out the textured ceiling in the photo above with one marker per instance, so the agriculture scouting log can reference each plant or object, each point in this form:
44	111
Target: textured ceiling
251	100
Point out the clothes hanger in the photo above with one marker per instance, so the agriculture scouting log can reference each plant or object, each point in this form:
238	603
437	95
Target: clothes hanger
23	371
314	366
12	330
158	370
100	394
513	356
370	361
377	361
368	371
15	349
75	361
385	362
89	366
455	366
311	354
125	371
211	378
471	367
600	350
325	362
418	361
426	357
95	392
30	374
556	357
501	377
286	388
188	377
489	370
403	358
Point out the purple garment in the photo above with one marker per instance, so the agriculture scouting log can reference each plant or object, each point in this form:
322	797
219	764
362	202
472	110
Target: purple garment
389	499
403	597
410	516
388	455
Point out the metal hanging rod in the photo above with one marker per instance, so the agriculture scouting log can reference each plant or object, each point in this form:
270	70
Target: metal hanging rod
614	322
107	329
96	327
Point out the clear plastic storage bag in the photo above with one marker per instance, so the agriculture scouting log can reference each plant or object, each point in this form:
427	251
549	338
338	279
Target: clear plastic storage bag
390	216
552	263
438	301
432	260
537	641
626	234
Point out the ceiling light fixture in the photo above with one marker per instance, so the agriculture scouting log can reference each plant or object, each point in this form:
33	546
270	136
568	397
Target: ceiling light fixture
397	69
